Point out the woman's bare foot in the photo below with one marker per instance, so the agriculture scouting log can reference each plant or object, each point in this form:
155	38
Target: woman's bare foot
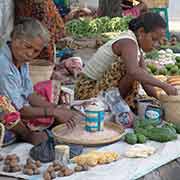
26	135
35	137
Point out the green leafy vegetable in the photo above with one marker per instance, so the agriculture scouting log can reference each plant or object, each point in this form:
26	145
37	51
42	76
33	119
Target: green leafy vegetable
86	27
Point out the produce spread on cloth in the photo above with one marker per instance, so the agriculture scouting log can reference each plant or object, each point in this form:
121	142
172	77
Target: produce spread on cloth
143	130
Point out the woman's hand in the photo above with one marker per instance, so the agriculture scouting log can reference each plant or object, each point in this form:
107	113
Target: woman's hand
65	98
170	90
67	116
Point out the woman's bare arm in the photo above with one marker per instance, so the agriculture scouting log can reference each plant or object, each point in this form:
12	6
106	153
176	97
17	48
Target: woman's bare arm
127	49
150	90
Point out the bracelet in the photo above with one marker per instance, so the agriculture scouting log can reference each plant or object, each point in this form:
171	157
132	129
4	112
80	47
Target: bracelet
45	112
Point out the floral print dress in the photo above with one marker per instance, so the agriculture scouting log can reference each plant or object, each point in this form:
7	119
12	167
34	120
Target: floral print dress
46	12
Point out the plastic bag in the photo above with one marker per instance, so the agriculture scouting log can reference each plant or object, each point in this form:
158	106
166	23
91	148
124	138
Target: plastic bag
45	151
118	107
75	150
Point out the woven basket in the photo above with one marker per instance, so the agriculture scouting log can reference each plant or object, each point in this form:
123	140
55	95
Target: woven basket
171	106
156	3
40	71
85	142
2	132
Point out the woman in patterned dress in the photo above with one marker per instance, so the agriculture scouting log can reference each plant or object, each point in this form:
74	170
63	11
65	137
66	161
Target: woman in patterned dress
119	63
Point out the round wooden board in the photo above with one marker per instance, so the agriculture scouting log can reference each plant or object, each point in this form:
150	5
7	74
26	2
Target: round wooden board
108	140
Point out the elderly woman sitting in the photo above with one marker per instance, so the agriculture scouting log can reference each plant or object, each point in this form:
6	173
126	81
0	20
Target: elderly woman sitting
37	112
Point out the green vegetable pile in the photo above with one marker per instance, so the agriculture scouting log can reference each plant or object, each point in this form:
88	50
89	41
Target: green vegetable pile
152	55
147	129
169	69
132	138
175	48
86	27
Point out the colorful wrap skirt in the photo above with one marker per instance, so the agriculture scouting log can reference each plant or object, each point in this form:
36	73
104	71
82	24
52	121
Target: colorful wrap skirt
49	90
87	88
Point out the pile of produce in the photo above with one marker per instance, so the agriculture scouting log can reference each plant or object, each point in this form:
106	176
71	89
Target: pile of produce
95	158
31	167
147	129
172	44
134	138
174	48
166	42
140	151
86	27
57	170
163	56
173	80
164	66
11	163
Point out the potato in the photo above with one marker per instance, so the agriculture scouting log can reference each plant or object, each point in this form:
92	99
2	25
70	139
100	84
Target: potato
14	160
6	168
28	172
36	171
29	166
7	161
68	172
57	168
34	166
56	163
38	164
60	174
50	169
25	166
53	175
17	168
63	169
46	176
12	164
29	161
8	157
